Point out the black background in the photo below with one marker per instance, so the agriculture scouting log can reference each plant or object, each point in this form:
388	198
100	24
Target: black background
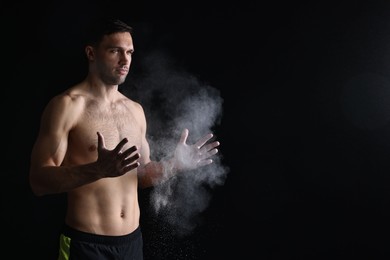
305	129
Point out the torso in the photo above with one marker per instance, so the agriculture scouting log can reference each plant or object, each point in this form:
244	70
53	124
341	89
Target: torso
108	206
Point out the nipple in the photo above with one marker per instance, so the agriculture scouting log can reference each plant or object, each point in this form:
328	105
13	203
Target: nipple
92	148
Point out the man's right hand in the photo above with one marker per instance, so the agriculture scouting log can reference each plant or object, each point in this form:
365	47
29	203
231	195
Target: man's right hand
114	163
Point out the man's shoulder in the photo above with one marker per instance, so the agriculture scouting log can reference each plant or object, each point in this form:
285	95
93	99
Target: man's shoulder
69	97
130	102
67	100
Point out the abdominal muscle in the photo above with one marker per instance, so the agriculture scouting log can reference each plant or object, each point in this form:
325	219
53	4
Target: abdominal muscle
106	207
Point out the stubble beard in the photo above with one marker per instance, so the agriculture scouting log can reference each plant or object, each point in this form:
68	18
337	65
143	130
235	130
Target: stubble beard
114	80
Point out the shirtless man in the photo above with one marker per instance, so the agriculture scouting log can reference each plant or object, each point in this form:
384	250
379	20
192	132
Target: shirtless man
92	145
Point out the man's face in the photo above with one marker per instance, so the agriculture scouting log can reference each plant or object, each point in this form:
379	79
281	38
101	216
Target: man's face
113	57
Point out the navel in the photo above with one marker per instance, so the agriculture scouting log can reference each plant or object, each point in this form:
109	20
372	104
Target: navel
122	214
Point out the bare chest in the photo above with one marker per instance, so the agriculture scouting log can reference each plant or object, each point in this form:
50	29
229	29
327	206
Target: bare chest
114	124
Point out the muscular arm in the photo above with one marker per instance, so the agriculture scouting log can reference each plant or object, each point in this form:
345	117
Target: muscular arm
46	173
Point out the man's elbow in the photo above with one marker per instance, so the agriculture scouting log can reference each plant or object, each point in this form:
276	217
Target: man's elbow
36	188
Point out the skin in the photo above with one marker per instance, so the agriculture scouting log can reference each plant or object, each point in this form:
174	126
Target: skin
92	145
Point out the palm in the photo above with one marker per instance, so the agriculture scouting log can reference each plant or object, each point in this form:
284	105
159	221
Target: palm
189	157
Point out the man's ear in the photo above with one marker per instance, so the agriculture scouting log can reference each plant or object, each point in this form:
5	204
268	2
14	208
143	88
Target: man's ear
90	53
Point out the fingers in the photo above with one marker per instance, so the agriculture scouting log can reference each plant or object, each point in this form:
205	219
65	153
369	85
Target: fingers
212	152
131	167
205	162
131	162
128	152
203	140
205	155
100	141
120	145
184	136
207	151
211	146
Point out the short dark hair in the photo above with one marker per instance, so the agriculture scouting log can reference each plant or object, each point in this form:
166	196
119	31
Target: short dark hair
105	26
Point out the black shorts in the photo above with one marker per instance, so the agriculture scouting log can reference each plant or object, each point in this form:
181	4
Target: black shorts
75	245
